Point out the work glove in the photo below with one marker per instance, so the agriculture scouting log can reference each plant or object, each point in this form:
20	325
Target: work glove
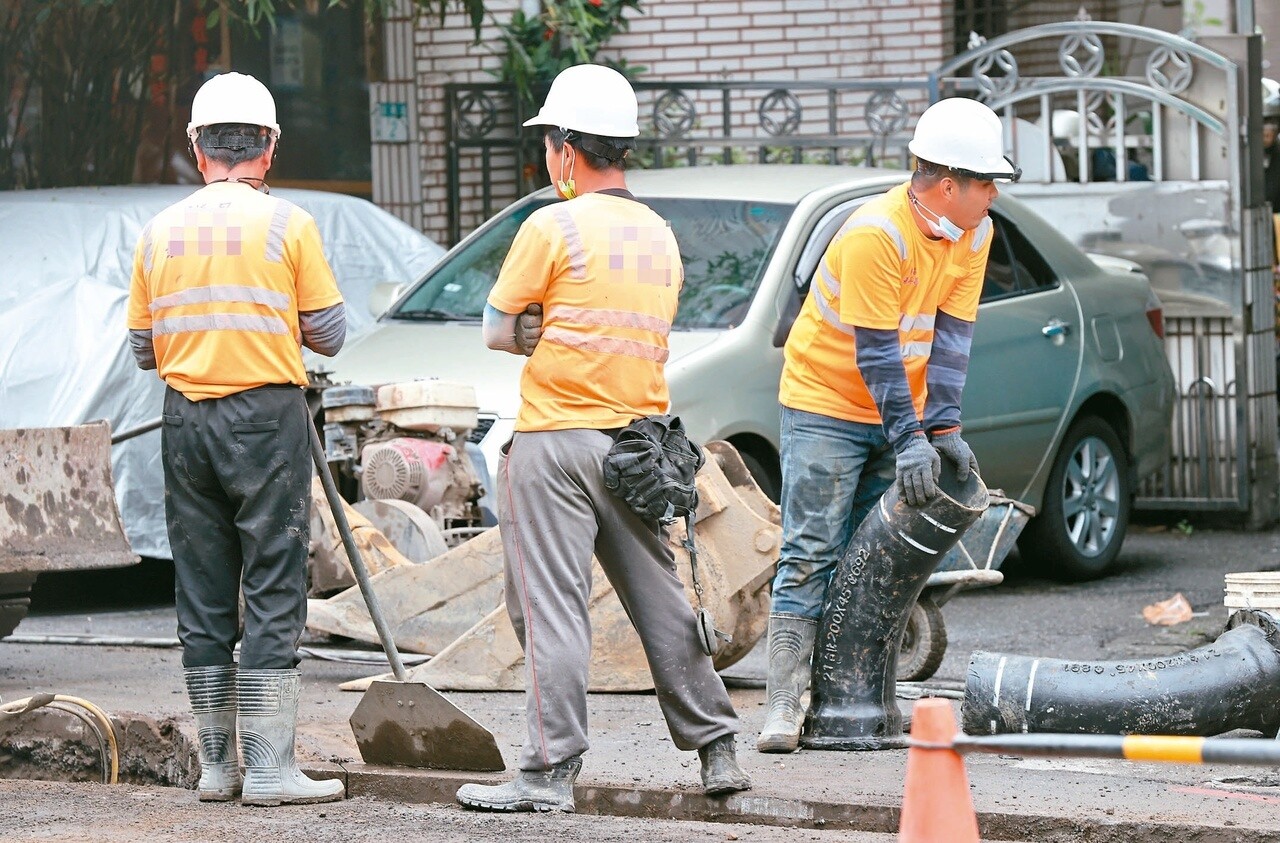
951	446
918	468
529	329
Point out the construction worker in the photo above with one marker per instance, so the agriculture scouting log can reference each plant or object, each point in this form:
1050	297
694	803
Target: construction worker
227	285
606	271
875	365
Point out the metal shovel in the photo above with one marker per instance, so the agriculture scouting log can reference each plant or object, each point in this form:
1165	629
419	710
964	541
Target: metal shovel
404	722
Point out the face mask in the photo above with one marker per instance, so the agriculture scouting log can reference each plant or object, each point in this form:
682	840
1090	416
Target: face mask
567	187
939	225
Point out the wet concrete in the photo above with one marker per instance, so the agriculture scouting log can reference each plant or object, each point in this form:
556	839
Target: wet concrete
632	769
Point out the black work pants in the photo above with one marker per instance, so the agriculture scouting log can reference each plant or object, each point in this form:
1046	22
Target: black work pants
237	476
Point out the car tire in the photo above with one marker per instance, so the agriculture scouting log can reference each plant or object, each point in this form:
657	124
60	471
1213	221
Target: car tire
1080	528
15	599
924	642
768	475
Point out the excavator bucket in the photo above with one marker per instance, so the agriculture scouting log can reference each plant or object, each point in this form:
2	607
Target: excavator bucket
59	511
737	531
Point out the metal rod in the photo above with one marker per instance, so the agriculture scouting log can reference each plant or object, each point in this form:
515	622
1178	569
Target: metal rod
137	431
1164	748
353	554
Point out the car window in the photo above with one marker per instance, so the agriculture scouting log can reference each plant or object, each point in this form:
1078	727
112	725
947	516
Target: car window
1014	266
725	245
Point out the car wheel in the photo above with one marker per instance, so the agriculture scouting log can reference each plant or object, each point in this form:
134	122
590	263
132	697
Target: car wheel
1082	524
15	599
766	474
924	642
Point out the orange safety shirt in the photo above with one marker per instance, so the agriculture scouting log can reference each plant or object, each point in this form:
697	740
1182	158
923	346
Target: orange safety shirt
879	272
219	279
607	272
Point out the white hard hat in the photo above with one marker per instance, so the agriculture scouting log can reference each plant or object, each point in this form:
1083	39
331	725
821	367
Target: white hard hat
1066	124
965	135
592	99
1270	98
233	98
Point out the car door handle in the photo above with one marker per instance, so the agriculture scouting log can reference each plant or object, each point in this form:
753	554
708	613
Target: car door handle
1056	328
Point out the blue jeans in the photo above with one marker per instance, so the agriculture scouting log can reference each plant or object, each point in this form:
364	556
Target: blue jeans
833	472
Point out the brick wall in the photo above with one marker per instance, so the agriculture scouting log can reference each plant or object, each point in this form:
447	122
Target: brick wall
736	40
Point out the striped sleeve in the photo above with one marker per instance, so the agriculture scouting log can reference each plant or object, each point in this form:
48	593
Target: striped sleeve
947	370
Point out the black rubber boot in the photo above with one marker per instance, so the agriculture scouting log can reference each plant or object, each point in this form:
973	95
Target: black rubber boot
868	603
530	790
720	771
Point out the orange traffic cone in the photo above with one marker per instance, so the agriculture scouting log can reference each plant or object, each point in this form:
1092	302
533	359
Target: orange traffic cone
936	805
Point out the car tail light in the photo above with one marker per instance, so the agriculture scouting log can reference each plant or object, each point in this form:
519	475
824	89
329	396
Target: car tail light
1155	313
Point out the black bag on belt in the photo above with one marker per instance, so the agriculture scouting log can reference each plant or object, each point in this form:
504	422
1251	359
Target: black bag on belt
651	467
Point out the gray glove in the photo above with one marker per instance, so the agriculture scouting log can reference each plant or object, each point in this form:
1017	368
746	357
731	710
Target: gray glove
529	329
918	468
951	446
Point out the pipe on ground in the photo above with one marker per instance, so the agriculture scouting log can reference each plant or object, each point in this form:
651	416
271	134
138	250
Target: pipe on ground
1230	684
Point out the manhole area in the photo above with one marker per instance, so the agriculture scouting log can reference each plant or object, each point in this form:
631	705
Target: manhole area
51	745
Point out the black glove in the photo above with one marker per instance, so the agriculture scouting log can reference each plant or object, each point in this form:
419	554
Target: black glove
918	468
529	329
951	446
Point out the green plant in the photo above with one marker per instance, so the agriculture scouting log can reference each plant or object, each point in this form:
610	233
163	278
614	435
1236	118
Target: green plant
536	48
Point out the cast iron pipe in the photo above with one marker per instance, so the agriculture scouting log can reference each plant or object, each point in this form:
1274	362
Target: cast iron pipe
1229	684
879	579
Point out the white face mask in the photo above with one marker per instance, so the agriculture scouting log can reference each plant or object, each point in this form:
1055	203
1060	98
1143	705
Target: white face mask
939	225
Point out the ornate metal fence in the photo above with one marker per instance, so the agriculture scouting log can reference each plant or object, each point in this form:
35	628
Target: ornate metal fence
1140	148
685	123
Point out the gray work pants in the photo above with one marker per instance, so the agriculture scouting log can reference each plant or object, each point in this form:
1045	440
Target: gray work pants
237	477
554	512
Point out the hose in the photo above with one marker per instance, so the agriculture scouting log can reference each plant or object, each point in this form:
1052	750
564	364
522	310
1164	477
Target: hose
86	712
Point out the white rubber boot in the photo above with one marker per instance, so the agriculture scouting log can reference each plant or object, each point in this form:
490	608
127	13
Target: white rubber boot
212	691
790	648
268	716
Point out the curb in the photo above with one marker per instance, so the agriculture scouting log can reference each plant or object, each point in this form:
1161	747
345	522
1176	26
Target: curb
404	785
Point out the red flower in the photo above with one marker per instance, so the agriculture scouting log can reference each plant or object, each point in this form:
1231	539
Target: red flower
596	2
548	35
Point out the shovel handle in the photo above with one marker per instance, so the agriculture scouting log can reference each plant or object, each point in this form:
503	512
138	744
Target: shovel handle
353	553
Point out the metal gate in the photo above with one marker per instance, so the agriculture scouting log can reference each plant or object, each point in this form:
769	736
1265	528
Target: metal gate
1136	142
1142	145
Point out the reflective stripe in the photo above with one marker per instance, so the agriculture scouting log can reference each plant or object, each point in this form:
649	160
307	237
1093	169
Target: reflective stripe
980	234
829	281
884	224
923	322
224	293
916	349
147	248
832	318
276	230
609	318
605	345
572	241
219	322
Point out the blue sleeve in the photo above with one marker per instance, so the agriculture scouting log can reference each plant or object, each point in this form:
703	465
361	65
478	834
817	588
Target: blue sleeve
880	363
948	368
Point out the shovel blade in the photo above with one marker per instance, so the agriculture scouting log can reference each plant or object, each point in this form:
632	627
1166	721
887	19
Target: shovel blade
412	725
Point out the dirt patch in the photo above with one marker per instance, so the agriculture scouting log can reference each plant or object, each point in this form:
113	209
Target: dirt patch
55	746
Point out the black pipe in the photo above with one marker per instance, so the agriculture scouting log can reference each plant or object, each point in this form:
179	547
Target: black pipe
1229	684
868	602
